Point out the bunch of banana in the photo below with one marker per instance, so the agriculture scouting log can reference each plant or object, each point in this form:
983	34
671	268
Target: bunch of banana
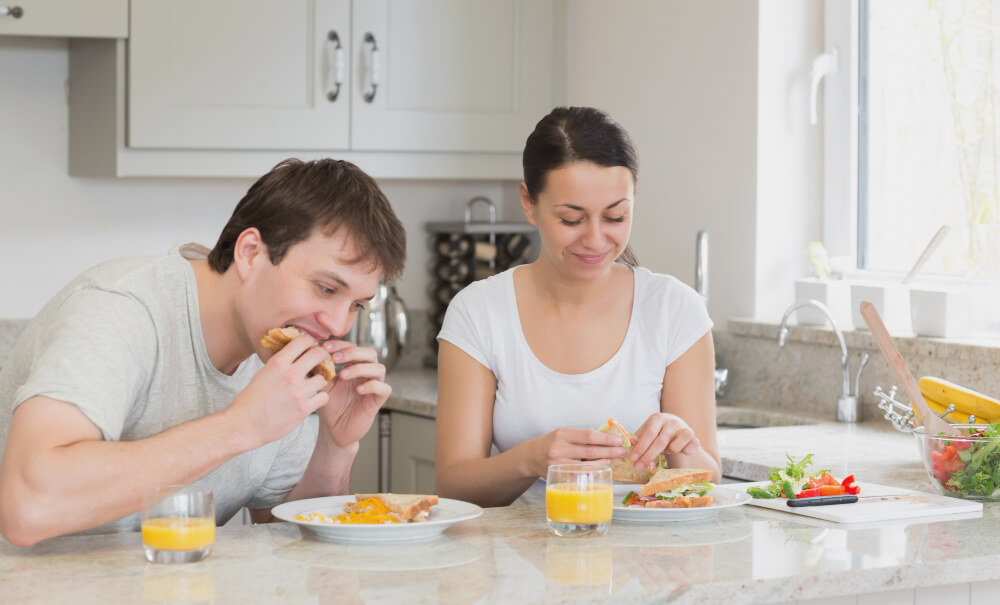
939	394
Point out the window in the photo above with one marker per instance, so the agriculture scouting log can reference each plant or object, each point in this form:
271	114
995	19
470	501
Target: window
923	80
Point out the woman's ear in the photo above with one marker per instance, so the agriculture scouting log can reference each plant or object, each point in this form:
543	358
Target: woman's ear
527	205
248	250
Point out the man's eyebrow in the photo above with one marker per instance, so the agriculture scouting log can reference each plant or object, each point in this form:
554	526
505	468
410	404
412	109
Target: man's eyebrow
340	280
608	207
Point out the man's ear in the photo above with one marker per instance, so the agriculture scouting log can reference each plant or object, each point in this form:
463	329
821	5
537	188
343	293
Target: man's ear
249	249
527	205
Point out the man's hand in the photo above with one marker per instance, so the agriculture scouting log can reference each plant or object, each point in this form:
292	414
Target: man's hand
355	395
282	395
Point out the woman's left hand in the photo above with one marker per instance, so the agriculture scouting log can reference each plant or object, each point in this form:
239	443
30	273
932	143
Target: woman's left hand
663	432
356	394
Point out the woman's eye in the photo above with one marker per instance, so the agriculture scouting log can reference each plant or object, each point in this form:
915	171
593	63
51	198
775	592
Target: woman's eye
615	219
571	223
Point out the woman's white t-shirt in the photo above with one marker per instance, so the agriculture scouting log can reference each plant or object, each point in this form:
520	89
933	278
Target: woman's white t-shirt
532	399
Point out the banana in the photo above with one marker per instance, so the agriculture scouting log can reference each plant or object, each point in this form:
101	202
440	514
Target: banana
966	401
938	408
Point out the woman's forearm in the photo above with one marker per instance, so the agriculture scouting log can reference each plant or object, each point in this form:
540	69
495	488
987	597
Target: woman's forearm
493	481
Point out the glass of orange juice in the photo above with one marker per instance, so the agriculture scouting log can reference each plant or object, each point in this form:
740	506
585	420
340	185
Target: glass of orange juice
578	499
178	523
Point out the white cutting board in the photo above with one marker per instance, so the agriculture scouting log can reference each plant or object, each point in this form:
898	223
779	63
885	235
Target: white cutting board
897	503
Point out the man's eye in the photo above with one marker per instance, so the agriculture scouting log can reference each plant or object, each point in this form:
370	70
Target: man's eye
357	306
325	291
571	223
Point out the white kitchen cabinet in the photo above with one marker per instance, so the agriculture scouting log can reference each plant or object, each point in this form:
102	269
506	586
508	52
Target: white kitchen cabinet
365	472
64	18
440	89
411	458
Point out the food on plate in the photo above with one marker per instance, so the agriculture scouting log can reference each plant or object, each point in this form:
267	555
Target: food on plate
674	488
793	481
276	340
965	466
966	401
623	469
371	509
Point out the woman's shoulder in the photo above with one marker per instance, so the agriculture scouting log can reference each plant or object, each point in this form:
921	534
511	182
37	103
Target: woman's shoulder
661	285
493	288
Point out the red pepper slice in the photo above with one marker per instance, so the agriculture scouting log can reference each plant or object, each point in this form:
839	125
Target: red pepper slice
847	480
812	492
854	490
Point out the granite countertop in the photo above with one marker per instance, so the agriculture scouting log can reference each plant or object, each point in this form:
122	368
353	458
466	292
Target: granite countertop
742	555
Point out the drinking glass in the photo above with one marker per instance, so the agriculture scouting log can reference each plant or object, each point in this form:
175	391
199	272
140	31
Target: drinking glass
578	499
178	523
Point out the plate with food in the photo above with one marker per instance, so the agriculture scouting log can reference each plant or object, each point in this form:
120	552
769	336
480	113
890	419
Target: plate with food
376	517
674	494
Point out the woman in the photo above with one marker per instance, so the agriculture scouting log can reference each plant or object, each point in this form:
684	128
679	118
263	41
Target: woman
534	359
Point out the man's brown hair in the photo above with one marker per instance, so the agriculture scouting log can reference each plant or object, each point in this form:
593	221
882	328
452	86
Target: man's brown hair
295	198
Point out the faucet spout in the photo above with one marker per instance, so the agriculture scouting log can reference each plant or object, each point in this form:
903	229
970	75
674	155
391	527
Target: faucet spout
846	401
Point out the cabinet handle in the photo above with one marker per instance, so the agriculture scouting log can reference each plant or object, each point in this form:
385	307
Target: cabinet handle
12	11
335	66
374	72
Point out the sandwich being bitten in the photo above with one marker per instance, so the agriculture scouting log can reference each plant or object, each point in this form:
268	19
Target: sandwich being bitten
623	469
276	340
674	488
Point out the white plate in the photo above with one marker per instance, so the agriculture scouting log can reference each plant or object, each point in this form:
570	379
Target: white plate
443	515
724	498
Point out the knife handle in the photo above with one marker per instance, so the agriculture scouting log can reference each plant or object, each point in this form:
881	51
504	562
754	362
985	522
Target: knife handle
822	500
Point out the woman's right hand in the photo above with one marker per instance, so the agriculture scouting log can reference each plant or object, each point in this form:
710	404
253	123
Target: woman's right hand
565	445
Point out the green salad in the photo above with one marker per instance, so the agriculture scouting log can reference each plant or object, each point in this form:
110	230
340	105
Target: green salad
970	469
786	482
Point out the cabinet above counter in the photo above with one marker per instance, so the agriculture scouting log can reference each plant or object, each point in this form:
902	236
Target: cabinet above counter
65	18
437	90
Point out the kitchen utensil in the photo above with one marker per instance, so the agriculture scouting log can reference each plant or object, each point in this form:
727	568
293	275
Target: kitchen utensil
382	324
926	254
885	344
877	504
822	500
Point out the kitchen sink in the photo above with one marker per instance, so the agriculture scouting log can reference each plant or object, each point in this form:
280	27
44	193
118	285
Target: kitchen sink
732	417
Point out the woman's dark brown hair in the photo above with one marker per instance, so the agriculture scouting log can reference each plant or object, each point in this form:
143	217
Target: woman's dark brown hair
295	198
577	134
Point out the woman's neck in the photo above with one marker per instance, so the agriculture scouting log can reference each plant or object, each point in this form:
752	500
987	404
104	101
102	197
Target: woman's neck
566	292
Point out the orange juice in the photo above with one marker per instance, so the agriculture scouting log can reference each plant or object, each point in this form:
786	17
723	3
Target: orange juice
568	503
176	533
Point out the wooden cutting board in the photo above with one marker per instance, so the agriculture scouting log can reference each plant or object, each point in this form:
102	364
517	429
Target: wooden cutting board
894	503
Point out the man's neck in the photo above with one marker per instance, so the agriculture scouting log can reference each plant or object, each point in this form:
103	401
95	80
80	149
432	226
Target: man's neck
225	340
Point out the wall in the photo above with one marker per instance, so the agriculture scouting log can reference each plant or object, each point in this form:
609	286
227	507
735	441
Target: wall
52	226
719	115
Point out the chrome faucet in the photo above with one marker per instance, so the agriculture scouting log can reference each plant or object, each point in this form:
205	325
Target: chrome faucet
847	404
701	285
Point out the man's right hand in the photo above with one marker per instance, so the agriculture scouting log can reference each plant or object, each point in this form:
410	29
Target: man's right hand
281	395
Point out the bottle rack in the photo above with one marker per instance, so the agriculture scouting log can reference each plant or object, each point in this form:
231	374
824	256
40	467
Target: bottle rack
466	251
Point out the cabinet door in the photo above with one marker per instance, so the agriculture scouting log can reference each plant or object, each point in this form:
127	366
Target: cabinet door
454	75
237	74
411	464
71	18
364	473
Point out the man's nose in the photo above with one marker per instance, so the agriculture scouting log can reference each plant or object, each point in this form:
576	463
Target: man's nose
337	321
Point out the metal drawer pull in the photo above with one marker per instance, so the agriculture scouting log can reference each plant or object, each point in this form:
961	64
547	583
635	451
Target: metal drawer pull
374	72
13	11
335	66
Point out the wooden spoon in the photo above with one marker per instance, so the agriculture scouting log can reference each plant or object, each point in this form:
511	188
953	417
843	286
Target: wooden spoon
933	424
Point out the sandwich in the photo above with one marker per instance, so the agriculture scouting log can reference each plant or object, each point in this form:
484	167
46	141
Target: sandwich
674	488
276	340
404	507
623	469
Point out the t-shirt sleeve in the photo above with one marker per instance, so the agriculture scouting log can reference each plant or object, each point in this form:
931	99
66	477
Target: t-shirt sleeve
291	457
98	354
464	324
688	318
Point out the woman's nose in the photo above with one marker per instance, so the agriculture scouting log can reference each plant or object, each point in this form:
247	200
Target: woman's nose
593	237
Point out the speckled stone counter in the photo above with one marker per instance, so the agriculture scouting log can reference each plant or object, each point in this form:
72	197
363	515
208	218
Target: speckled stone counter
742	555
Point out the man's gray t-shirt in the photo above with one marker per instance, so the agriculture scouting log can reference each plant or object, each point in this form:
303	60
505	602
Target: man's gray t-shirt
124	343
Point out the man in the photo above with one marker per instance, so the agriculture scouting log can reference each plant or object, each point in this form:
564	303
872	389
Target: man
148	371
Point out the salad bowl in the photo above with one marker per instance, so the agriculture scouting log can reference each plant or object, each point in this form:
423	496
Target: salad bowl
965	465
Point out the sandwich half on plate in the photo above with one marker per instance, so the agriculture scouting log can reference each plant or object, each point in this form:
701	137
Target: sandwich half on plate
623	469
674	488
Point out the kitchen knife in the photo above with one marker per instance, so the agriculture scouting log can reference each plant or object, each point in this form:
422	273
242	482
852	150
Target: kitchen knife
839	499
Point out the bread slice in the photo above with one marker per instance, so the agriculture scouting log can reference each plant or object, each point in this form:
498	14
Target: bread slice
623	469
409	507
669	478
277	338
683	502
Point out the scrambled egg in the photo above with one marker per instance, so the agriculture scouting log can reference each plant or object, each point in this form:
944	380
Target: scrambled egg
367	512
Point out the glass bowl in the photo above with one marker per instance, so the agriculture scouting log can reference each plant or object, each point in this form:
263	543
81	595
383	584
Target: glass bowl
966	465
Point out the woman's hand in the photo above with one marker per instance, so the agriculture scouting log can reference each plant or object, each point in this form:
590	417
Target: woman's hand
565	445
663	432
356	394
